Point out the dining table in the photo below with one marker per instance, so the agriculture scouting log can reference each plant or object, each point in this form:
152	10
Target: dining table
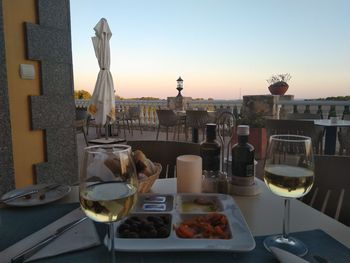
263	213
331	128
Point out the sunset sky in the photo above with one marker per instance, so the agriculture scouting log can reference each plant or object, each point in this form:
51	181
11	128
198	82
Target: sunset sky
220	48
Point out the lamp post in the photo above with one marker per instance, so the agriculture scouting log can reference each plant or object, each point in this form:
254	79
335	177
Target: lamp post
180	86
179	98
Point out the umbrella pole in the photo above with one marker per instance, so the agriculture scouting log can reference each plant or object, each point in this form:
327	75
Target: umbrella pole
106	127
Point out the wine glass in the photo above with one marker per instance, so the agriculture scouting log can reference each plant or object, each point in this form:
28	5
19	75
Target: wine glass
108	185
288	172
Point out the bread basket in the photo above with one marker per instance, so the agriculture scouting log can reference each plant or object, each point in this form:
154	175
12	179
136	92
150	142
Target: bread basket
146	184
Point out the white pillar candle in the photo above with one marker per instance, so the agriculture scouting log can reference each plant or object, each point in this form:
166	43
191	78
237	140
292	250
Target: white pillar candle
189	174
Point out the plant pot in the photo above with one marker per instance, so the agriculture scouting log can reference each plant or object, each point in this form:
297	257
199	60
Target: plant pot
278	88
257	138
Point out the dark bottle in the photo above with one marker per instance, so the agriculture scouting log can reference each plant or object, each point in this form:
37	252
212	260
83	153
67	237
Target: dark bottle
195	135
243	158
210	151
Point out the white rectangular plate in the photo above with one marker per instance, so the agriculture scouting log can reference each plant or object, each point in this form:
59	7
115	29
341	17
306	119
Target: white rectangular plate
241	238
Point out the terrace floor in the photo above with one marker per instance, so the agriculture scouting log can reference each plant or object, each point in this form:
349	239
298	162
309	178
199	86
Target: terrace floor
147	134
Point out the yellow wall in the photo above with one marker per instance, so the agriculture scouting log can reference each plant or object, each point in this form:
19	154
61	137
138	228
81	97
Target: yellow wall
28	145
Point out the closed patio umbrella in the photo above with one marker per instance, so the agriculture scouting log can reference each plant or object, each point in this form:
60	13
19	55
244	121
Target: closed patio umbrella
102	103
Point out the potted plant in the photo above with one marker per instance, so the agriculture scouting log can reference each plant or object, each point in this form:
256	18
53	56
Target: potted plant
257	132
278	84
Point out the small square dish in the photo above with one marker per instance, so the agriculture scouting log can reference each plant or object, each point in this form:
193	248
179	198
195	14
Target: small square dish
195	203
145	226
147	203
203	226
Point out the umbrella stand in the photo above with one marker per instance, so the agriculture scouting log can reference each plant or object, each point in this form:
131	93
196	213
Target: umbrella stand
106	139
106	127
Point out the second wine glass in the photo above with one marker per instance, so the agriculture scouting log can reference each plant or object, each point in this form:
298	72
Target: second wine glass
108	185
289	173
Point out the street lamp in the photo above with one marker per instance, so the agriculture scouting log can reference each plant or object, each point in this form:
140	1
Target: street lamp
180	86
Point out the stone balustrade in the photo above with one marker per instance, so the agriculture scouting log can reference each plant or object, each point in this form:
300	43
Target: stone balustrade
149	117
324	107
148	107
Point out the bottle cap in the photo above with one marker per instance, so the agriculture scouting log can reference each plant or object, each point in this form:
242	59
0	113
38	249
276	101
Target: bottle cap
243	130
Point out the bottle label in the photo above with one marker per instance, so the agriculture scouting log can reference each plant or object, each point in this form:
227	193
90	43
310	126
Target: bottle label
243	169
243	164
250	170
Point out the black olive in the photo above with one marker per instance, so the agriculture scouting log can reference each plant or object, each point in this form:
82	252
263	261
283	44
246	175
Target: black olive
152	233
159	225
135	218
124	226
123	231
163	232
134	226
129	221
143	234
131	235
152	218
147	227
165	219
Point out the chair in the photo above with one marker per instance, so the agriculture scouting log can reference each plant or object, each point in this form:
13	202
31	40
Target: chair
344	138
218	112
330	193
80	122
90	122
196	119
168	118
298	127
165	153
132	114
310	116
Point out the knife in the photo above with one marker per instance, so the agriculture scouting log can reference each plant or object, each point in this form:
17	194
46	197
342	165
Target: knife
31	192
24	255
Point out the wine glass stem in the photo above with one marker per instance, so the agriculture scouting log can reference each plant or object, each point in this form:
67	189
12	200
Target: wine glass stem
285	232
111	241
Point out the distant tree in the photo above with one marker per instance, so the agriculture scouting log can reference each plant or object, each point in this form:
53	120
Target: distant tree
336	98
143	98
117	97
82	94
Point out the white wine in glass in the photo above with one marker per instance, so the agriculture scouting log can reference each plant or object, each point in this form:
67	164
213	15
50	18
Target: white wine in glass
289	173
108	185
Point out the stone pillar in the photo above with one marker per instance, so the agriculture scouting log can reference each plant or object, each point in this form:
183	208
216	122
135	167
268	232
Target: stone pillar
174	103
266	105
171	103
41	110
7	178
54	110
179	104
282	112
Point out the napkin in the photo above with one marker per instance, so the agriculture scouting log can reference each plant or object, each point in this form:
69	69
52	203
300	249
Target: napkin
81	236
286	257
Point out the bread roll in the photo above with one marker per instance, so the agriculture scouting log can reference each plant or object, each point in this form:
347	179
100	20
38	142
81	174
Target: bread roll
144	165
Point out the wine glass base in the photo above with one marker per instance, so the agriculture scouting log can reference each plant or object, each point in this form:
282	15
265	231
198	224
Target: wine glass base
289	244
